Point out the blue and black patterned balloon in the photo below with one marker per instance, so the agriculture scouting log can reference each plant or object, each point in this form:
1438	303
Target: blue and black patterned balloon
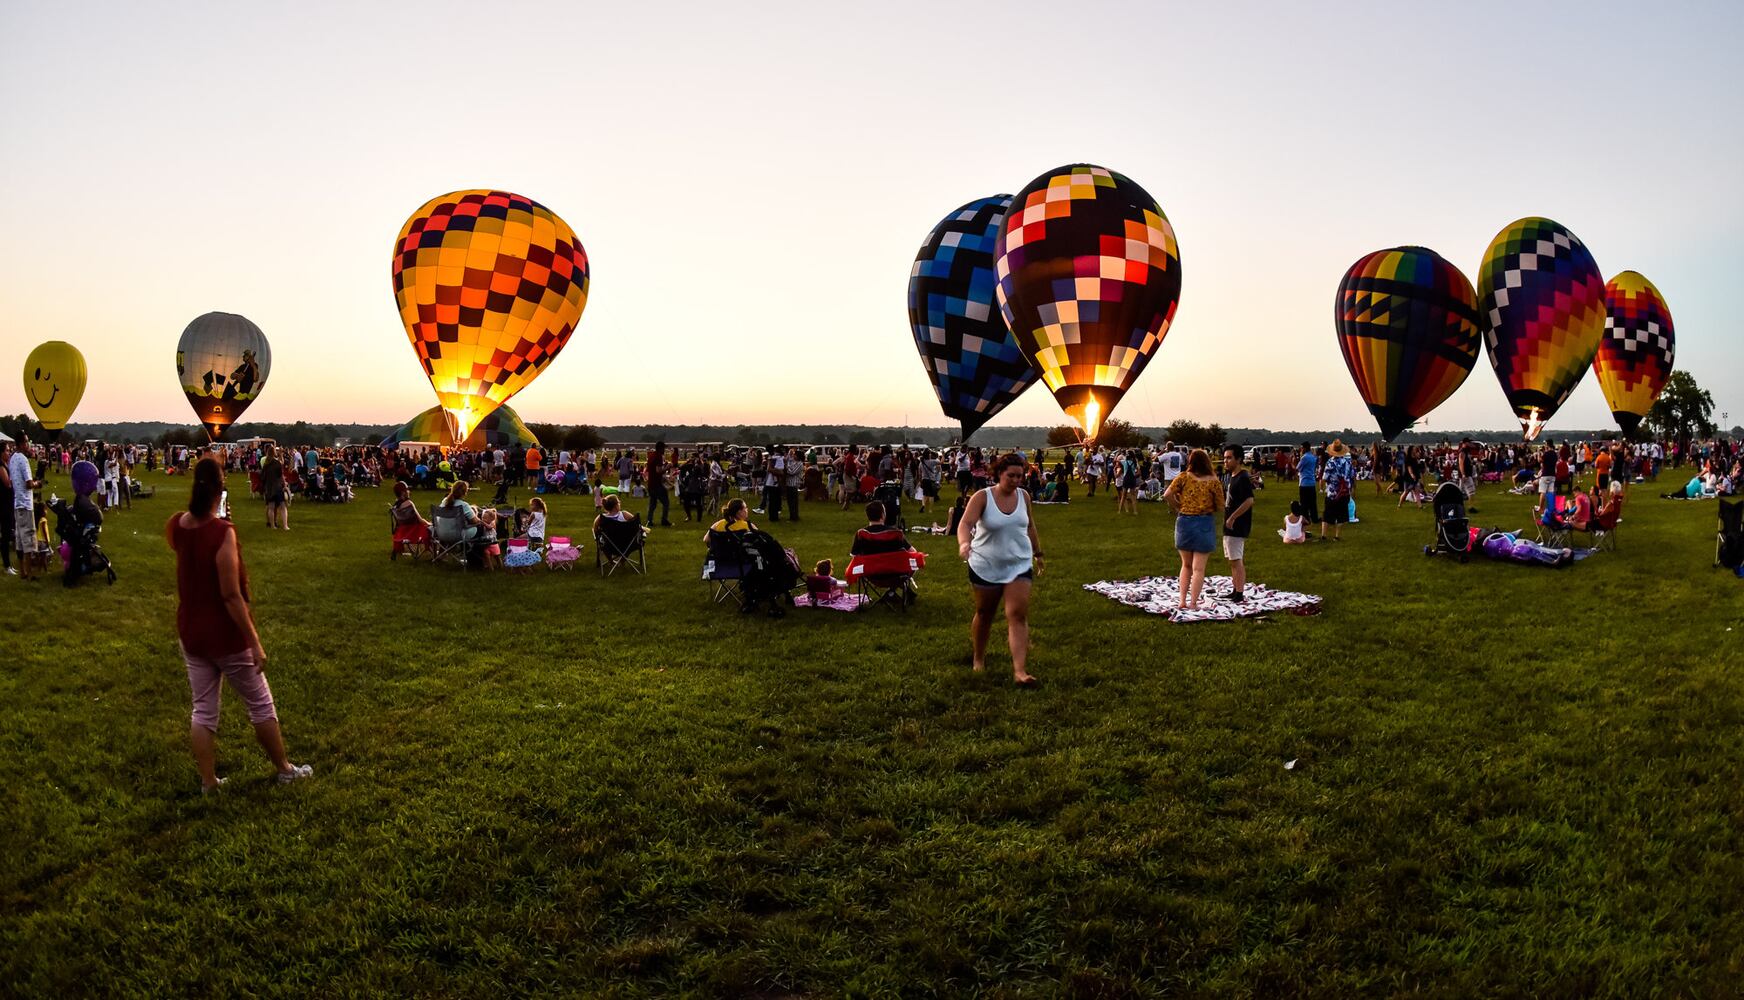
974	363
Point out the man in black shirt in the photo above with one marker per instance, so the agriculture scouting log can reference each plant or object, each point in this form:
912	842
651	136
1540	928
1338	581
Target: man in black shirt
657	495
1238	520
877	536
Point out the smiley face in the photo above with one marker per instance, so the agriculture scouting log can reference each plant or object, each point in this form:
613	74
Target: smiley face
43	378
54	379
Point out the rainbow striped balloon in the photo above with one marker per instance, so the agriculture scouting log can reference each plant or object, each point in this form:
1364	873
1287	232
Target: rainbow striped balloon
1408	327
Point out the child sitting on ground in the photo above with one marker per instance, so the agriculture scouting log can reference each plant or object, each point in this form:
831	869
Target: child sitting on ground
822	585
1293	532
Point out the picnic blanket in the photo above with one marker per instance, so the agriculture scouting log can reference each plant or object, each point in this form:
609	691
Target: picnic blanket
1160	595
841	602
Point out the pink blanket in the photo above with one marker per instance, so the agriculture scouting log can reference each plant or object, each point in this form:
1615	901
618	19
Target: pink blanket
841	602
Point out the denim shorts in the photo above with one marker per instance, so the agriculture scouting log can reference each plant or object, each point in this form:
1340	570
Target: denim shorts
1195	533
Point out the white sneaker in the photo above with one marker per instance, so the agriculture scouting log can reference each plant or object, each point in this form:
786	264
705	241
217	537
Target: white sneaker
11	572
296	773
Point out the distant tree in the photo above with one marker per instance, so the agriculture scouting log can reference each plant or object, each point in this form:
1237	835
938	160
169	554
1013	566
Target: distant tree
1185	432
372	439
863	437
824	438
1683	411
1196	435
1115	433
20	426
1062	436
548	434
582	437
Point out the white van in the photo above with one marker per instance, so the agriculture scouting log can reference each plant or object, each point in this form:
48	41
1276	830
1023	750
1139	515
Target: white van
1265	456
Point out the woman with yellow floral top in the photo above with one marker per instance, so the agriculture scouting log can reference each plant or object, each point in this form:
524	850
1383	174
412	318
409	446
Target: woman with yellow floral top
1196	495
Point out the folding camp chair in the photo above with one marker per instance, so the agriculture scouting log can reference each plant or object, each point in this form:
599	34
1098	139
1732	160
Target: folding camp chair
561	554
1553	527
886	578
516	550
448	539
725	568
620	543
1603	528
414	543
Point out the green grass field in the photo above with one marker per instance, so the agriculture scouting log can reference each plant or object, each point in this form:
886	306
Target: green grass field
1511	781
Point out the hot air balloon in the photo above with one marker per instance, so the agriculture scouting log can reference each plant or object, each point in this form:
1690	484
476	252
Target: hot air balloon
1408	326
1089	278
1543	301
1635	356
975	366
54	380
502	429
490	286
223	361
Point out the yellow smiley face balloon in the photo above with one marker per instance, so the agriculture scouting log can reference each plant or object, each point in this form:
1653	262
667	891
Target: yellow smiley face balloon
54	379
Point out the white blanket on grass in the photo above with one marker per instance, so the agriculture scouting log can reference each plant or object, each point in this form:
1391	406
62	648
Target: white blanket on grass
1160	595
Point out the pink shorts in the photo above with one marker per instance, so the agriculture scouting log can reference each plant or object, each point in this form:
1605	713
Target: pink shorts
204	676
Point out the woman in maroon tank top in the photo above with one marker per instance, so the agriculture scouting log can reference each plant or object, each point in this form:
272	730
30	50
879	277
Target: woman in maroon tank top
217	630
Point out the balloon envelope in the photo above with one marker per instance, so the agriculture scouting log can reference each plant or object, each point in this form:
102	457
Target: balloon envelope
974	363
1408	327
502	429
1638	348
490	286
223	361
1543	302
54	381
1089	279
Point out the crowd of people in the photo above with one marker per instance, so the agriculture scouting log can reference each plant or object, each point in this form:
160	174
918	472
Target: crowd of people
991	518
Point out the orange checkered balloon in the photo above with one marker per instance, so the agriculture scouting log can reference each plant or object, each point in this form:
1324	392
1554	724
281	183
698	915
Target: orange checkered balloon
490	286
1089	277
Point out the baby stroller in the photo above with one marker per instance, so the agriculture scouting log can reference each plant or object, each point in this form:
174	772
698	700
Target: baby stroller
1452	527
889	493
1729	542
78	531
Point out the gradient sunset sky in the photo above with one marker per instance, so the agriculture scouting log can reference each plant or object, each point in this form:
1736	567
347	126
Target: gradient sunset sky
751	182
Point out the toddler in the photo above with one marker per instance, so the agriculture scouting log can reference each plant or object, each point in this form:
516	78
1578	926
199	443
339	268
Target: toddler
821	585
493	553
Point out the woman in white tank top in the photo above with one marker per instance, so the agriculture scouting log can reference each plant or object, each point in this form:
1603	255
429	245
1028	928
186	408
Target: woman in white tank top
998	540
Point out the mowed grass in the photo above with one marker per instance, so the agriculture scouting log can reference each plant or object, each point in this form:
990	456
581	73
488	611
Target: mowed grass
1510	780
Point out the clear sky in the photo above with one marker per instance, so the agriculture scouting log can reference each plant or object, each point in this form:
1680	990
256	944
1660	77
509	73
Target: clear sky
751	182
